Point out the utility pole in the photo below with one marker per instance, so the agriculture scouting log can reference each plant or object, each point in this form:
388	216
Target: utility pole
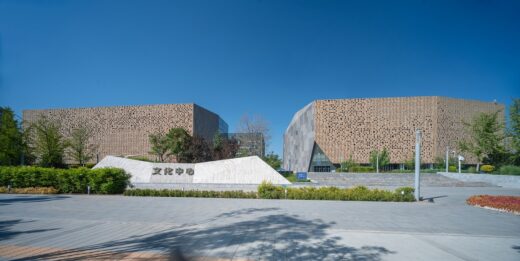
417	164
447	158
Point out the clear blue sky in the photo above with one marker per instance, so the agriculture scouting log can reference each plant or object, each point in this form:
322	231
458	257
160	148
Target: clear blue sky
259	57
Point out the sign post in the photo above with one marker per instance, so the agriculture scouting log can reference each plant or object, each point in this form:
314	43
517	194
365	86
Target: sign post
417	164
461	158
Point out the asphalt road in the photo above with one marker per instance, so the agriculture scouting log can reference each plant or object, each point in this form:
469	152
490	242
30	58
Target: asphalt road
137	228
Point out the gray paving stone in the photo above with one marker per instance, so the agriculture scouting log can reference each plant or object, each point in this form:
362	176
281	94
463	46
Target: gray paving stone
58	227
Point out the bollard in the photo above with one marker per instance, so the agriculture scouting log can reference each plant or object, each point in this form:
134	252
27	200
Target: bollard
9	188
88	190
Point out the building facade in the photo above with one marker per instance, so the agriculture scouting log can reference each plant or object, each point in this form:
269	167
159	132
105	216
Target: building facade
124	130
327	132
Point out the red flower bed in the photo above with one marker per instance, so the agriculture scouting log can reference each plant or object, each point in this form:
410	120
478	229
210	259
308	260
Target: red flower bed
507	203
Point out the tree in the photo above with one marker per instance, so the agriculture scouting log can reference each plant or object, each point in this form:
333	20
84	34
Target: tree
348	165
198	150
79	146
440	162
255	124
514	131
49	143
273	160
379	157
486	137
159	145
229	149
11	138
179	143
224	148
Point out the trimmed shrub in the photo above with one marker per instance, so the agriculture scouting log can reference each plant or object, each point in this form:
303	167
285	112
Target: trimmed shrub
472	170
487	168
188	193
362	169
509	170
37	190
102	181
267	190
452	169
360	193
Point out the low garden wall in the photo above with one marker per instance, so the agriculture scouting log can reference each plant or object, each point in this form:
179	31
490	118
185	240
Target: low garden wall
506	181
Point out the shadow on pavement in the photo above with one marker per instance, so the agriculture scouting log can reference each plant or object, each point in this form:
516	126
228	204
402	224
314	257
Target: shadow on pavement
29	199
272	236
6	232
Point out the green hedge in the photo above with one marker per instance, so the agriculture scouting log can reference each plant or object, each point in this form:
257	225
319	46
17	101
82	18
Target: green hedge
188	193
101	181
361	193
509	170
270	191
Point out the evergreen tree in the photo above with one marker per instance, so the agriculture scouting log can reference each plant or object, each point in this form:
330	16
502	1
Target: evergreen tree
11	138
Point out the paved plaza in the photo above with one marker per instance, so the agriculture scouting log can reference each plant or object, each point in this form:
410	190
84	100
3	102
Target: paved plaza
71	227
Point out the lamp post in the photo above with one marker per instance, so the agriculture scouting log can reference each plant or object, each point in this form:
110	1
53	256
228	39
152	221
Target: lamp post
417	164
447	158
377	161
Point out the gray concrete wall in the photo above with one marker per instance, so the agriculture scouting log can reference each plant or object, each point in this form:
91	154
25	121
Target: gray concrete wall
299	140
506	181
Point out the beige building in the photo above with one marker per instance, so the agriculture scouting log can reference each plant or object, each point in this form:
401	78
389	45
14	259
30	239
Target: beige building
327	132
124	130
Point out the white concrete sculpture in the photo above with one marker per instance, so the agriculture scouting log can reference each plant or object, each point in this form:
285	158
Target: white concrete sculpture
246	170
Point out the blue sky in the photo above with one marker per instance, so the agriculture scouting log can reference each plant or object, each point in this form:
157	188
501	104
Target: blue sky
258	57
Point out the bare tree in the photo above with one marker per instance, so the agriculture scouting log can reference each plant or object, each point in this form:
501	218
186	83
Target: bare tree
255	124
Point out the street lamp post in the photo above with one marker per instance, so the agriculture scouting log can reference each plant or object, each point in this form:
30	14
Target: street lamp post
447	158
377	162
417	164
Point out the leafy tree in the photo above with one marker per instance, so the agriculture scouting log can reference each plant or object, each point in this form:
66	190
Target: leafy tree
79	146
486	136
514	132
381	157
198	151
11	138
440	162
273	160
179	143
224	148
229	148
159	145
218	141
49	143
348	165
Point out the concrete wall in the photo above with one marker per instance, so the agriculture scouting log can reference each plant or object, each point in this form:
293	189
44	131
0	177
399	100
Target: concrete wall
299	140
247	170
506	181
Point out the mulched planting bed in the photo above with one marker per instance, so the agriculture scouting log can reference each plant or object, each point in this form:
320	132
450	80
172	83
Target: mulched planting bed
504	203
